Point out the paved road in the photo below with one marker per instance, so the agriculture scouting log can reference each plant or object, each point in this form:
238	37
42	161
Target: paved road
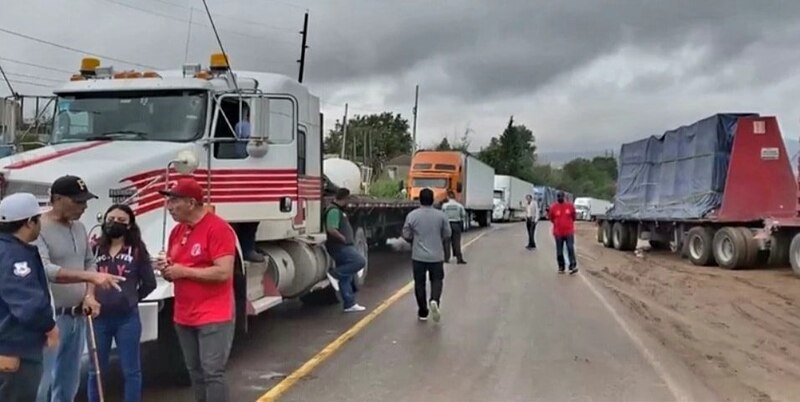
282	339
511	330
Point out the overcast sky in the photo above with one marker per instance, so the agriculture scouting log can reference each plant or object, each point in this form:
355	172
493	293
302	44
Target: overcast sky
582	74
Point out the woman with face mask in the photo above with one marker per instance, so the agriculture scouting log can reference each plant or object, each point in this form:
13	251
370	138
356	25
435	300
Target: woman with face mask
120	251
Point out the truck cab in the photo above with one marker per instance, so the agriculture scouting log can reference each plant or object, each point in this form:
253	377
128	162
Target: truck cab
439	171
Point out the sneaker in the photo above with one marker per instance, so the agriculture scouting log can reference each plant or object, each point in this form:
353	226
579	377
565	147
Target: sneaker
422	318
561	270
573	270
462	262
435	311
355	308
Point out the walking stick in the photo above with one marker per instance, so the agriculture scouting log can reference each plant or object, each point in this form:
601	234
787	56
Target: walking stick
93	350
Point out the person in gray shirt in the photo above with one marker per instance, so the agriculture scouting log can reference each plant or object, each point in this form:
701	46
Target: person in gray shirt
426	228
457	216
63	244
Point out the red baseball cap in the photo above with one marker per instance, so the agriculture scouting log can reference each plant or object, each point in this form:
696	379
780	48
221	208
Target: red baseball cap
185	188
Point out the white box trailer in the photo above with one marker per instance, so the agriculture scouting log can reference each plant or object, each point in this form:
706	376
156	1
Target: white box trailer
478	191
511	192
587	208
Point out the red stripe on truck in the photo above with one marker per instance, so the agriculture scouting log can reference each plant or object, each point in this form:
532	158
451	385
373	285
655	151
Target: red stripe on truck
44	158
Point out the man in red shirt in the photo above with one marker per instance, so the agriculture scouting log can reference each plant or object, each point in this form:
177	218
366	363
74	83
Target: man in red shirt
199	260
562	216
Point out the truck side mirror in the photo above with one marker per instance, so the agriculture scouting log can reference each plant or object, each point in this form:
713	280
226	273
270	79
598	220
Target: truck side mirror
459	187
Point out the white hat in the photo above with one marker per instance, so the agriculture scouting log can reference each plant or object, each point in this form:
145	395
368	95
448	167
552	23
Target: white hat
19	207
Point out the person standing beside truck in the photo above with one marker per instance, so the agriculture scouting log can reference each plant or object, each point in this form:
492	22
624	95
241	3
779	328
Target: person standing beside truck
27	322
456	216
121	251
427	228
200	262
64	246
562	216
531	218
340	245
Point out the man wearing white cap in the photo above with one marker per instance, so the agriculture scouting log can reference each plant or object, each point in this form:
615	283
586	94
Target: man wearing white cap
27	320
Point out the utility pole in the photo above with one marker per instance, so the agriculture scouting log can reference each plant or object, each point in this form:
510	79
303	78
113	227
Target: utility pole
303	47
414	130
344	130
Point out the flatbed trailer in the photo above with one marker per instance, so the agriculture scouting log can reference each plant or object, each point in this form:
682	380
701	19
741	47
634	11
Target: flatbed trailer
719	192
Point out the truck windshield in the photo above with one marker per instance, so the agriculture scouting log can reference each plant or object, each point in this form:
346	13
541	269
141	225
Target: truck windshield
164	115
430	182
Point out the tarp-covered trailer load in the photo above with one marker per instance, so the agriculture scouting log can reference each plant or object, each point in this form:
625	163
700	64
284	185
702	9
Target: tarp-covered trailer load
720	191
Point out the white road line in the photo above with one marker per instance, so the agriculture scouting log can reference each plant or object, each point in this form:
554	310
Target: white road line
677	391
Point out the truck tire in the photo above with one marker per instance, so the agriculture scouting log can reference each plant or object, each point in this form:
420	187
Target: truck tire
483	218
699	247
751	245
779	250
363	247
620	236
794	254
730	248
633	236
606	228
600	229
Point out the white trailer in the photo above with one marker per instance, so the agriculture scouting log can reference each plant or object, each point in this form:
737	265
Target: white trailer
511	192
588	208
477	194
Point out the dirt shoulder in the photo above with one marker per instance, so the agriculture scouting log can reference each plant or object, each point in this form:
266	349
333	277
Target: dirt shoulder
738	331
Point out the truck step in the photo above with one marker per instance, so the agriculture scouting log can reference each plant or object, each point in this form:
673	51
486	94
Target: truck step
265	303
255	276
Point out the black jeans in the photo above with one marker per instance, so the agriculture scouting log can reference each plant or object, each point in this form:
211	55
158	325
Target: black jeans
569	241
530	224
434	271
22	385
205	350
454	242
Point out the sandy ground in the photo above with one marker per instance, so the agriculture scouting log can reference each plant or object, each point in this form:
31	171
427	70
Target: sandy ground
738	331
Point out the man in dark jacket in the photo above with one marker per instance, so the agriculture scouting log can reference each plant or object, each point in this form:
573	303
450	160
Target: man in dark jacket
27	320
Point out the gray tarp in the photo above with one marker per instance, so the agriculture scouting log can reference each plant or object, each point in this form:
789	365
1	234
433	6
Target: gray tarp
678	175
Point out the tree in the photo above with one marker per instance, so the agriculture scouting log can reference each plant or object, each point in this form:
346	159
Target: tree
444	145
371	139
513	153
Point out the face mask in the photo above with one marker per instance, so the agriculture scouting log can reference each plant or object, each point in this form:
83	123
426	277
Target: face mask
115	229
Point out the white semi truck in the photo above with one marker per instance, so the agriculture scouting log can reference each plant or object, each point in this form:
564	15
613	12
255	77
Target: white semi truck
128	134
509	196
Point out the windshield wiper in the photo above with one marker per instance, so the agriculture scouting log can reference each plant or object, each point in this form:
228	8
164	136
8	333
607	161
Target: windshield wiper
119	133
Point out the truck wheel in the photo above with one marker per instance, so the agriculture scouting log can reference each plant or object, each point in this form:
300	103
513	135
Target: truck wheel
778	250
600	229
363	247
794	254
483	219
620	236
633	236
699	241
730	248
606	228
751	246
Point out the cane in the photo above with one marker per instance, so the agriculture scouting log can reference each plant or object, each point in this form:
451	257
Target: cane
93	350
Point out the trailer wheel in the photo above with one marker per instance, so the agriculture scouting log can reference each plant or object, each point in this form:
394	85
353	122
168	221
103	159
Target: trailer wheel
779	250
751	246
600	231
730	248
633	236
363	247
699	241
620	236
794	254
606	228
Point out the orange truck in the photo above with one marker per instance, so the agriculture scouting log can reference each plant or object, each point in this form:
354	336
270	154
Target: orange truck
471	180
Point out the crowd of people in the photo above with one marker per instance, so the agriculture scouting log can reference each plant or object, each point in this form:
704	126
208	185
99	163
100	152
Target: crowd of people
54	280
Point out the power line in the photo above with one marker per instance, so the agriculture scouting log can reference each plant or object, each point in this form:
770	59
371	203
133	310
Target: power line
72	48
167	16
246	21
34	77
29	83
25	63
10	88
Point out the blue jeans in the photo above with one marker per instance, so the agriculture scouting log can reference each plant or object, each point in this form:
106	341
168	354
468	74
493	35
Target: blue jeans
61	367
348	262
126	331
246	232
568	241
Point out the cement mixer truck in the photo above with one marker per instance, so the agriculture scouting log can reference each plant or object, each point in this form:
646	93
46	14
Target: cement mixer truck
129	134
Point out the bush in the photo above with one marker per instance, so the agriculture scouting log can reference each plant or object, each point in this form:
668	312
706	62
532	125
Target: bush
386	188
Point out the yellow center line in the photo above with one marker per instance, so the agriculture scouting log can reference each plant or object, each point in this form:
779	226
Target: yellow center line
282	387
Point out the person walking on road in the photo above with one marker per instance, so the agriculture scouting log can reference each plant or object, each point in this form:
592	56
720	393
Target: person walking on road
562	216
427	229
199	261
456	216
120	250
340	246
63	244
531	218
27	321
